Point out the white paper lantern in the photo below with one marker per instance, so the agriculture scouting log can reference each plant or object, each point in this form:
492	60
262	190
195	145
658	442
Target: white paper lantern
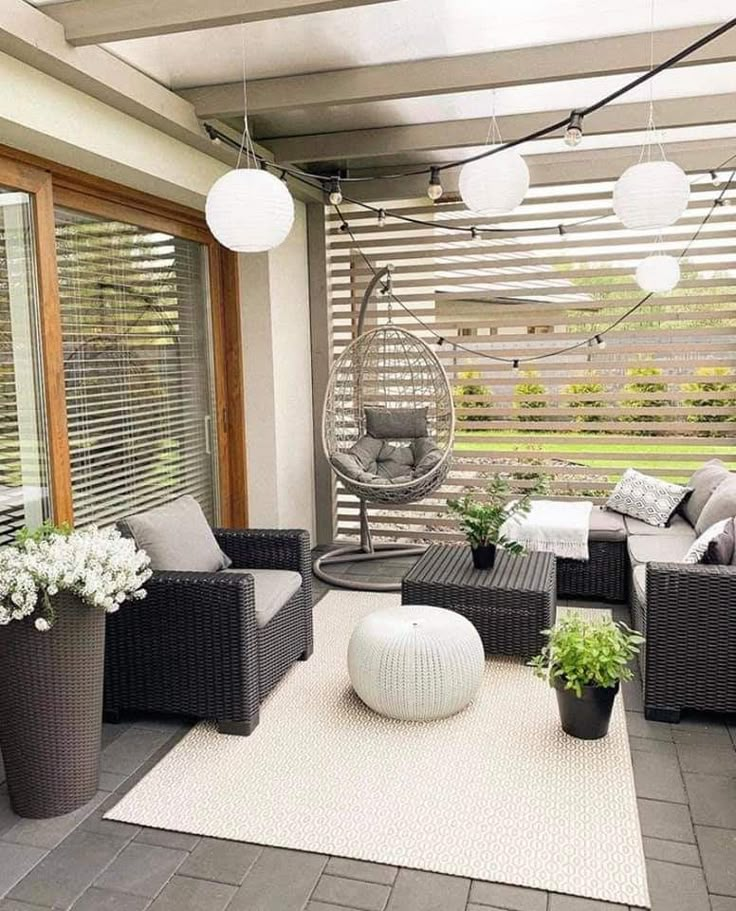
657	273
249	211
494	185
651	195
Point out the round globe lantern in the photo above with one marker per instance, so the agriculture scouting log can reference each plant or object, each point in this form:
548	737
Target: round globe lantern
658	273
494	185
651	195
249	211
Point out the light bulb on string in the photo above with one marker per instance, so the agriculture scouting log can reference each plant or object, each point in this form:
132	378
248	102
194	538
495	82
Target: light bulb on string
381	218
562	231
434	190
715	179
515	366
574	131
334	191
600	342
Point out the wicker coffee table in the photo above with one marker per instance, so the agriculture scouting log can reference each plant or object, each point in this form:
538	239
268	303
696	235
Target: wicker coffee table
509	605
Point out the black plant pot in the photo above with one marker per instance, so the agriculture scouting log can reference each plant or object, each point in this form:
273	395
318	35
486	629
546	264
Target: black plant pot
588	716
484	557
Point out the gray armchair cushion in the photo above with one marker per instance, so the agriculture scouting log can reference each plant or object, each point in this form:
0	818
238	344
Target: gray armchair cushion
721	505
273	588
703	482
396	423
177	537
606	526
378	462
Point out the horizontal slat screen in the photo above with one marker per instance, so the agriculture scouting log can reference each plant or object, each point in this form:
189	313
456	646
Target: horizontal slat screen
661	396
136	357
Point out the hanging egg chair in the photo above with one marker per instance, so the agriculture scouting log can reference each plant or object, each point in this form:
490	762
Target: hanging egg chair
387	432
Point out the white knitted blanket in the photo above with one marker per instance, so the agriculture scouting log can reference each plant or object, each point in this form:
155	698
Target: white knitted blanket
559	528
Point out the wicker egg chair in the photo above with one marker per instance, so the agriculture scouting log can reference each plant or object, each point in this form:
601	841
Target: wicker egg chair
386	372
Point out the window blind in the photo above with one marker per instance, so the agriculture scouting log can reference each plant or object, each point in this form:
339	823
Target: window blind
134	307
660	397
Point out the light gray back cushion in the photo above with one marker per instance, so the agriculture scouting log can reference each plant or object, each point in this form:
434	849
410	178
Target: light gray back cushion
721	505
177	537
396	423
703	482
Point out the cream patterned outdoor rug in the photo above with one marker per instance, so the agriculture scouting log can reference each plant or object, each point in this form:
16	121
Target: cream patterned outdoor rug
497	792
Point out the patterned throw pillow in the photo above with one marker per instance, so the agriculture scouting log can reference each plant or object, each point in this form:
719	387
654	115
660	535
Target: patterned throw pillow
699	547
644	497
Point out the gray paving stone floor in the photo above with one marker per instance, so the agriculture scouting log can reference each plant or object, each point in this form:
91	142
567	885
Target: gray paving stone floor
685	779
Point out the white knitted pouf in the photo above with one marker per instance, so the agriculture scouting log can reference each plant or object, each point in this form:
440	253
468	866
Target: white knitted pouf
415	662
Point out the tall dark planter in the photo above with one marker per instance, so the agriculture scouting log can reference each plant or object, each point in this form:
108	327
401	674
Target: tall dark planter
484	557
51	709
588	716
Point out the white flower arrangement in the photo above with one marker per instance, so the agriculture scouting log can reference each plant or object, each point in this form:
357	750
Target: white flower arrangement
98	565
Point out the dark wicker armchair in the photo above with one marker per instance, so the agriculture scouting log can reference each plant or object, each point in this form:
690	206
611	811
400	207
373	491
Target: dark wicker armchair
689	619
193	646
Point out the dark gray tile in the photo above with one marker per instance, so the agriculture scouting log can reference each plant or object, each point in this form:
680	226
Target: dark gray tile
676	852
633	700
96	823
675	888
111	732
718	850
48	833
702	733
351	893
670	821
717	903
184	894
638	726
473	907
15	862
111	781
7	817
101	900
167	724
65	873
361	869
8	904
575	903
712	799
127	752
647	745
415	890
513	898
221	861
141	869
181	841
280	880
706	758
657	777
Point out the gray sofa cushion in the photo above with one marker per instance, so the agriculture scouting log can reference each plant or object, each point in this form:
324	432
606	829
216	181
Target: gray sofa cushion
396	423
658	548
703	482
720	505
273	588
678	526
177	537
606	525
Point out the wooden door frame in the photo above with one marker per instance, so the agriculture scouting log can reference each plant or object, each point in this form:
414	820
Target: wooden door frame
51	184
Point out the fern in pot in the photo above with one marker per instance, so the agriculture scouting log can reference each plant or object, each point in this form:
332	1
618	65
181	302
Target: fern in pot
56	586
482	522
585	661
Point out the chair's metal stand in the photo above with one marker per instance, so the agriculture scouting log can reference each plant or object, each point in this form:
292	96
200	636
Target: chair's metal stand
366	549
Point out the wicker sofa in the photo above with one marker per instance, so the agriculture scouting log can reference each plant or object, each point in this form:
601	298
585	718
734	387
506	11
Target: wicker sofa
196	646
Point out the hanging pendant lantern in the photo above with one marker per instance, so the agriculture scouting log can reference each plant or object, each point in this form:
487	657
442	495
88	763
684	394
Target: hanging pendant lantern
496	184
249	210
651	195
658	273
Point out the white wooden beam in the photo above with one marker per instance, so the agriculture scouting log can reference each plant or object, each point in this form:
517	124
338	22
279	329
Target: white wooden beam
457	134
576	166
97	21
446	75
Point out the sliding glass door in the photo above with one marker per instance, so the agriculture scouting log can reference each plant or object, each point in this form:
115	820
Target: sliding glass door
24	486
137	367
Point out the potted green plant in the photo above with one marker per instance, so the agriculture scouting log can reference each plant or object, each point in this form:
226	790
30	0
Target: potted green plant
56	585
585	661
482	522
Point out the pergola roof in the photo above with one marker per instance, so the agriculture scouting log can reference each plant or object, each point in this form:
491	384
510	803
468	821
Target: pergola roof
367	85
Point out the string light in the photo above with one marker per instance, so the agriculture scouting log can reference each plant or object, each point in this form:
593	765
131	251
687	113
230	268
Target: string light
434	190
562	231
381	218
715	179
474	233
515	365
440	341
600	342
335	191
574	131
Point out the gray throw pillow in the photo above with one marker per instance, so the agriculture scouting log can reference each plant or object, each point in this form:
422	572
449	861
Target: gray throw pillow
720	505
643	497
177	538
703	482
720	551
396	423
